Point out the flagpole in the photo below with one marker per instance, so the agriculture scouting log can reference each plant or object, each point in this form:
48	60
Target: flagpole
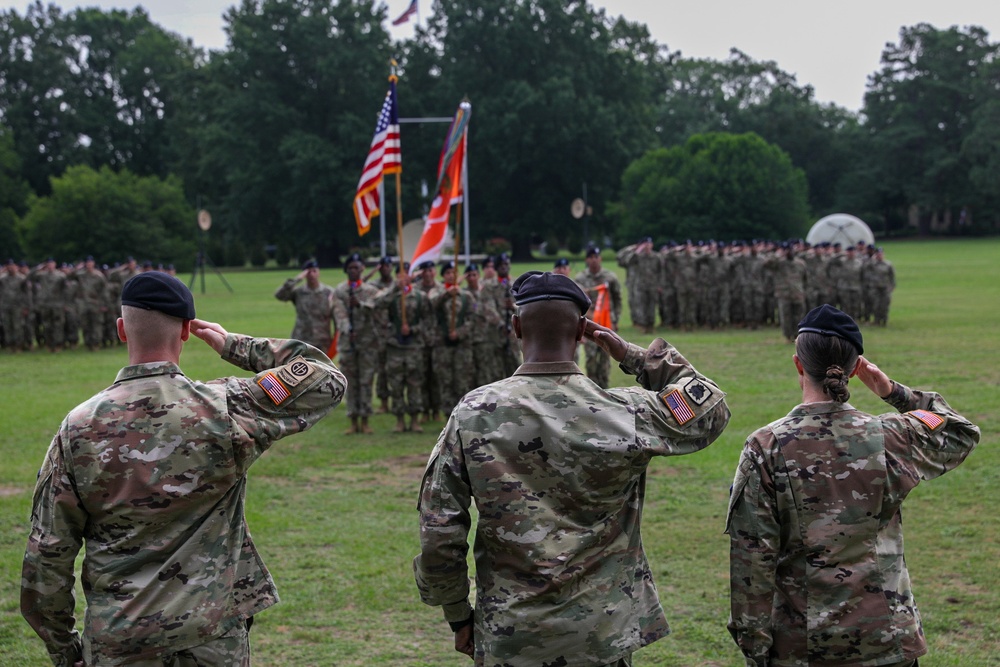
454	299
399	215
465	194
381	218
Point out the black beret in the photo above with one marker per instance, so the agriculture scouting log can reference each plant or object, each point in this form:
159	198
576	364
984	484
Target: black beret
562	261
310	264
537	286
592	250
502	258
470	267
829	321
447	265
353	257
385	261
153	290
406	267
427	264
646	239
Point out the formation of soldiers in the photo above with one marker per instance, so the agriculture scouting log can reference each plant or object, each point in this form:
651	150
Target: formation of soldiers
753	284
61	306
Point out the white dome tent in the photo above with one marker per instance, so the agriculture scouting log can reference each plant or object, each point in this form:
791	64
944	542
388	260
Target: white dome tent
841	228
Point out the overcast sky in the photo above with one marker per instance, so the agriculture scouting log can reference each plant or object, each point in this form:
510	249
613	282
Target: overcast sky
832	46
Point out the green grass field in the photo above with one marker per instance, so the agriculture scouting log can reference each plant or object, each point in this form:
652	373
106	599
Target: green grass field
334	516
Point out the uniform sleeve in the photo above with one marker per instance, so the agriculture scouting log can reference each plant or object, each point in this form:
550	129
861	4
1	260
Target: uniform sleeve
295	386
341	311
754	545
679	410
287	291
440	569
926	440
57	525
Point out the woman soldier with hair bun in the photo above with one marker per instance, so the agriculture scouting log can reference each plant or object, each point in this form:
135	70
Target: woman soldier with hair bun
816	562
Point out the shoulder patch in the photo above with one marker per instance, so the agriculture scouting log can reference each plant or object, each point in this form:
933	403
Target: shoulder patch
274	388
929	418
678	407
697	391
295	371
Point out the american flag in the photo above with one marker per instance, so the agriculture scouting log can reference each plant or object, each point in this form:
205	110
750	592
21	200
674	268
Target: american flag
405	16
678	407
932	420
274	388
384	157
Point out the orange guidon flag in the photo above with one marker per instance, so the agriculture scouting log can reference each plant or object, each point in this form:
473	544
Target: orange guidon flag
602	306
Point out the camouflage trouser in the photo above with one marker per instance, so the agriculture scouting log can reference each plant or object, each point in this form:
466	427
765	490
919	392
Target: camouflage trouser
484	358
404	367
598	364
790	313
668	306
687	308
13	328
72	325
453	368
230	650
643	306
431	389
92	323
880	305
382	384
850	303
358	366
53	323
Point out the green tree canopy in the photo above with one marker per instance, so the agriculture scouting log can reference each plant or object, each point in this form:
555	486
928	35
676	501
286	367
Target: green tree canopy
716	185
111	215
14	193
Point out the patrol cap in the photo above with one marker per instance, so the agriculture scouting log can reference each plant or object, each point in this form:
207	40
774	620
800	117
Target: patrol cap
562	261
538	286
154	290
309	264
353	257
829	321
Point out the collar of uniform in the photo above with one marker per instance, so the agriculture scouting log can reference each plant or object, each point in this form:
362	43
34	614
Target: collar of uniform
548	368
147	370
821	408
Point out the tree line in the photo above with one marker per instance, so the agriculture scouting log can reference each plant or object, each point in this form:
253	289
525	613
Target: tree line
114	131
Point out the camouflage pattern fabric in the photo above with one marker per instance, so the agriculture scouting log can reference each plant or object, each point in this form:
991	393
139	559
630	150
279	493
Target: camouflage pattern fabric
151	473
358	344
404	366
817	570
50	305
507	347
485	323
452	359
789	292
230	650
15	303
557	469
642	279
882	281
313	312
93	289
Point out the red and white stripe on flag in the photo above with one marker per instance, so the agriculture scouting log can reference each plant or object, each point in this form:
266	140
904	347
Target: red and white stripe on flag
384	157
436	225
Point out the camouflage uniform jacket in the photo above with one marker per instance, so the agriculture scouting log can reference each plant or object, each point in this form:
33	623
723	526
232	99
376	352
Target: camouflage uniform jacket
416	305
817	568
590	281
313	311
444	304
151	473
557	469
361	321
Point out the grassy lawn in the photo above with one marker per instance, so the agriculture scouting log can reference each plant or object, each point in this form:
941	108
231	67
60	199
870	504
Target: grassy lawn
334	516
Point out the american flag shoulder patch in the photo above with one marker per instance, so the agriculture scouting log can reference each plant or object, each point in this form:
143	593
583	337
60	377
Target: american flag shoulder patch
274	388
929	418
678	407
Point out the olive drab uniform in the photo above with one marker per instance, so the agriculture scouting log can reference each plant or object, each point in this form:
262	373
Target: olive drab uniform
357	349
556	467
598	362
404	354
151	474
817	569
313	312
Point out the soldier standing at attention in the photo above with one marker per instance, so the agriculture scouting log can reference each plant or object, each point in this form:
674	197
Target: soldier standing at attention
642	265
50	303
507	350
882	281
453	365
561	574
605	293
381	279
406	311
817	570
93	307
150	474
313	306
485	321
357	346
15	305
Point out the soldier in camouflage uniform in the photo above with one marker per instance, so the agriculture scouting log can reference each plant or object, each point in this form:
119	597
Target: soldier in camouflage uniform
150	474
557	469
508	352
381	279
642	265
452	308
357	344
406	309
881	278
485	321
599	283
71	307
15	304
818	574
313	306
789	288
50	303
426	283
93	306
